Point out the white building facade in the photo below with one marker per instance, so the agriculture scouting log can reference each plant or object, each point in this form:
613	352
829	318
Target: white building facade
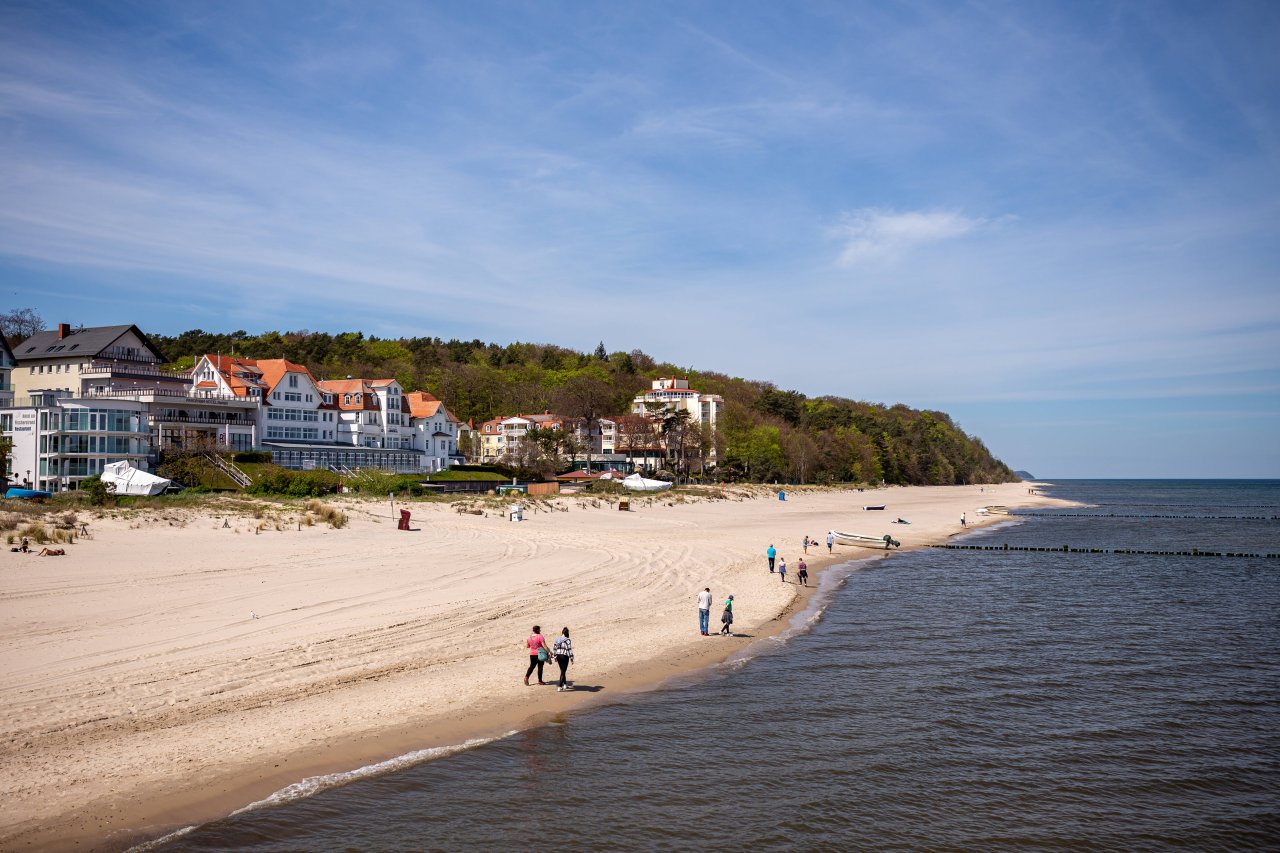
59	440
433	431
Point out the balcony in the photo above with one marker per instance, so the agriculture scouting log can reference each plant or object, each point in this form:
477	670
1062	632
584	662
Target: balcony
214	419
128	354
134	368
147	395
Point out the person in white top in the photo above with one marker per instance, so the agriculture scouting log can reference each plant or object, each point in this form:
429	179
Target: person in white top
704	611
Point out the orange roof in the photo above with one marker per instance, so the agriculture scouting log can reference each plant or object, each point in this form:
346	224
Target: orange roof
240	374
422	405
275	369
579	475
341	386
342	391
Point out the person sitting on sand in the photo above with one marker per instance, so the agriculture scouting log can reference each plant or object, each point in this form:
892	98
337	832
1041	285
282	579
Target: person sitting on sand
902	521
25	546
51	552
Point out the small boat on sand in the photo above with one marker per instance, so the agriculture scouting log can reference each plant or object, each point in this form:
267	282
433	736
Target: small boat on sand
27	494
881	506
886	541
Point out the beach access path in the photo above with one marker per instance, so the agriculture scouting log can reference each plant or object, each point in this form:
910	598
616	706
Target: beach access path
179	665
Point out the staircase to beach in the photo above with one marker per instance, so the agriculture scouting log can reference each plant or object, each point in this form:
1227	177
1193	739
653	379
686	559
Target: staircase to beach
237	476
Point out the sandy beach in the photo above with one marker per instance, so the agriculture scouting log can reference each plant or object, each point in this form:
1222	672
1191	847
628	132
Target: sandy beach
178	665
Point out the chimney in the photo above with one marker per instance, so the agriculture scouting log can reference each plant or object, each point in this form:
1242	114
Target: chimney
64	329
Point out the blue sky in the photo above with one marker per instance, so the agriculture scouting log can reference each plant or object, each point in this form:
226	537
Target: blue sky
1057	221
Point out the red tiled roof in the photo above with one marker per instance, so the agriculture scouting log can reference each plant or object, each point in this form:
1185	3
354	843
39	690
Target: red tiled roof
422	405
344	389
240	374
579	475
341	386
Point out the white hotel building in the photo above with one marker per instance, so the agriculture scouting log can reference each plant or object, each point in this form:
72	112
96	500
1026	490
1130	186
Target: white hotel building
671	394
73	400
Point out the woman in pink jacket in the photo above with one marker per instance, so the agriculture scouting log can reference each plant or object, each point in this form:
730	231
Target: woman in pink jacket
539	654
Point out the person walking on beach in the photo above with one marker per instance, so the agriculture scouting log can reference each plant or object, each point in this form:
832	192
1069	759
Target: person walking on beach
782	569
831	540
802	572
538	654
726	618
963	523
805	544
563	650
704	611
771	554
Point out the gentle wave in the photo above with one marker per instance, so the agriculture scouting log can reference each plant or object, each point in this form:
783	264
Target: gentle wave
315	784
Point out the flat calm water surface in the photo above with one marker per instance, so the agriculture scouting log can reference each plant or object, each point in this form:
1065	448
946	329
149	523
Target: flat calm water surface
944	700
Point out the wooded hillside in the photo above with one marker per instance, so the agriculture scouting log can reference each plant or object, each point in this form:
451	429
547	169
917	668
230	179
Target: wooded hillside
765	434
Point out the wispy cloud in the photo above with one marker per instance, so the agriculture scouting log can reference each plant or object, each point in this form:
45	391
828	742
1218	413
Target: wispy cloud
872	234
1046	201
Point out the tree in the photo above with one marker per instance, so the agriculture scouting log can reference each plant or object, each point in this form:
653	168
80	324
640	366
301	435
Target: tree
801	452
537	451
586	396
637	435
20	324
674	427
601	352
468	446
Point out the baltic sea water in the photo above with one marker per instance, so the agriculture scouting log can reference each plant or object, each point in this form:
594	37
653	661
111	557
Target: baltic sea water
943	700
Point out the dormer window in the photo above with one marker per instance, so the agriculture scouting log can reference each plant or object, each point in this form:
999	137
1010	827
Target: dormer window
346	399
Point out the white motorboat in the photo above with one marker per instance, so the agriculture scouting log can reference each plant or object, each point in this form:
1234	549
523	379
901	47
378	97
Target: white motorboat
885	542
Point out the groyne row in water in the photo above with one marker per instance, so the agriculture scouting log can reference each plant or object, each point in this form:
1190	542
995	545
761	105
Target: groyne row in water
1067	549
1022	514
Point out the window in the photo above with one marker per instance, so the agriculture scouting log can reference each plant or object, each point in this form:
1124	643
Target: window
293	380
292	433
279	413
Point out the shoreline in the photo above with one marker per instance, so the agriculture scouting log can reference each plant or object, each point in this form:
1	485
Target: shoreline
145	808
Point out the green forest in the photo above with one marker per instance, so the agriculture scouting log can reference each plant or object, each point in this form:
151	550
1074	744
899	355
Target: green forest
764	434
